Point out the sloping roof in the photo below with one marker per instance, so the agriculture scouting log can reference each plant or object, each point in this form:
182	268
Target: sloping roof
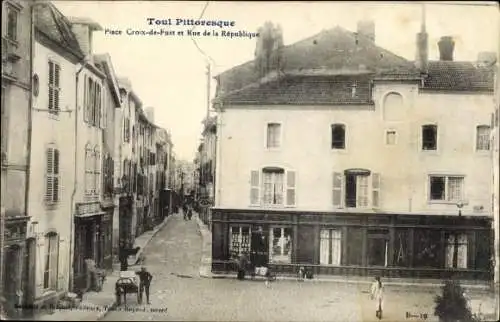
307	90
330	49
54	25
459	76
105	60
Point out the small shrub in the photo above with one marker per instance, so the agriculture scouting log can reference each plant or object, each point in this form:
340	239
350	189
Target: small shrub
452	305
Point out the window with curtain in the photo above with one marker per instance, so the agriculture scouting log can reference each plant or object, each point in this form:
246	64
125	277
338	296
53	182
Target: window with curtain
330	247
273	186
483	138
51	261
461	253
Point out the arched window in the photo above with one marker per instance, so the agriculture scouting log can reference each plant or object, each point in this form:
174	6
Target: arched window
338	136
97	170
393	108
51	261
88	169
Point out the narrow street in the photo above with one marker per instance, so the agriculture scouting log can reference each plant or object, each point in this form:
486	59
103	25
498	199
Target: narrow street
173	257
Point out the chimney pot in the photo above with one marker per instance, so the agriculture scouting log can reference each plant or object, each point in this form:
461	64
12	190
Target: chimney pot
446	47
366	28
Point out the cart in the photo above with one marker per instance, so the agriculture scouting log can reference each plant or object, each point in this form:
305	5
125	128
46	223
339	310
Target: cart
127	283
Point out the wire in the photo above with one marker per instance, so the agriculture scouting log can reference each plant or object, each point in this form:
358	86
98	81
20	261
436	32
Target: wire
194	41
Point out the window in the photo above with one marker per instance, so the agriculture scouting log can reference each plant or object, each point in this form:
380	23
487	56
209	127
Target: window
390	137
338	136
12	15
377	247
446	188
89	175
93	102
52	176
429	137
273	135
97	170
51	261
393	108
126	129
356	189
281	245
461	251
483	138
330	247
54	90
273	186
239	241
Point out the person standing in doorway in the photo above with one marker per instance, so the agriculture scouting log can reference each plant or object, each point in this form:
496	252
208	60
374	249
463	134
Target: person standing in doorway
145	278
377	295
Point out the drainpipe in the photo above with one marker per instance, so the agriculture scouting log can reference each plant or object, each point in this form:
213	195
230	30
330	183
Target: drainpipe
83	63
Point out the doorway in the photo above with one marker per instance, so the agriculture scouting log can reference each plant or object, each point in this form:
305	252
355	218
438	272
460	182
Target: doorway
259	247
29	274
377	242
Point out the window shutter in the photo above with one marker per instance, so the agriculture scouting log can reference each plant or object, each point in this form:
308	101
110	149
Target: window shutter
103	108
51	83
85	99
57	69
254	190
290	188
49	184
337	189
375	190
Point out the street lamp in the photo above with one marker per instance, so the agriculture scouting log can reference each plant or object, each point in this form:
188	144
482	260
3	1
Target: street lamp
455	246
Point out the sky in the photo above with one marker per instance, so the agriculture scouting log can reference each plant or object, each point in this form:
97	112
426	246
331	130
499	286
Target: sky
169	72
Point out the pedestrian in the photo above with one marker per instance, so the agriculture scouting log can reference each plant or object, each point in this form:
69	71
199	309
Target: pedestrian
242	265
377	295
145	278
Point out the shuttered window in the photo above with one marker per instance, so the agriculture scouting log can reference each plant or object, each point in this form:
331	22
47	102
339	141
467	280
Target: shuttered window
54	89
52	182
97	170
337	189
88	170
375	190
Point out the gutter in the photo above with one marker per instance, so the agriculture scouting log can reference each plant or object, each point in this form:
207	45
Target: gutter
83	63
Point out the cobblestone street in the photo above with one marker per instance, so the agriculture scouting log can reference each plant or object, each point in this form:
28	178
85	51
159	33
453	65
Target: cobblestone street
173	257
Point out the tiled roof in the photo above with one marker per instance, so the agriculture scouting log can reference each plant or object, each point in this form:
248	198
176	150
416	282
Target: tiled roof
306	90
459	76
336	48
53	24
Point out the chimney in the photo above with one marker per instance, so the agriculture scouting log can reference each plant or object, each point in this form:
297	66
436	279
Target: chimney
446	46
150	114
83	29
422	59
366	28
487	58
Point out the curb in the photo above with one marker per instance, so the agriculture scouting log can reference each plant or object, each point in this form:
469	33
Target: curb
155	231
205	270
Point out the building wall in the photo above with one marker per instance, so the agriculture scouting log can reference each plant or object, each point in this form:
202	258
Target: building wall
403	168
58	217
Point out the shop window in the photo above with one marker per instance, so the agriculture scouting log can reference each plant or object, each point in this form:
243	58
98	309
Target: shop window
330	251
281	245
427	247
239	241
461	250
401	255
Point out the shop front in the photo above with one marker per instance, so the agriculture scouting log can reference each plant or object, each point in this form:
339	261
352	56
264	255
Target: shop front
14	251
91	227
422	246
125	220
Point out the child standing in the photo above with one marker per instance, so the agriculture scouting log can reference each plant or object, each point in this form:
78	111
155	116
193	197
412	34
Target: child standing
144	282
377	294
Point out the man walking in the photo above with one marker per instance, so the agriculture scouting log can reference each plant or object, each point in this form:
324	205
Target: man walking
144	282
